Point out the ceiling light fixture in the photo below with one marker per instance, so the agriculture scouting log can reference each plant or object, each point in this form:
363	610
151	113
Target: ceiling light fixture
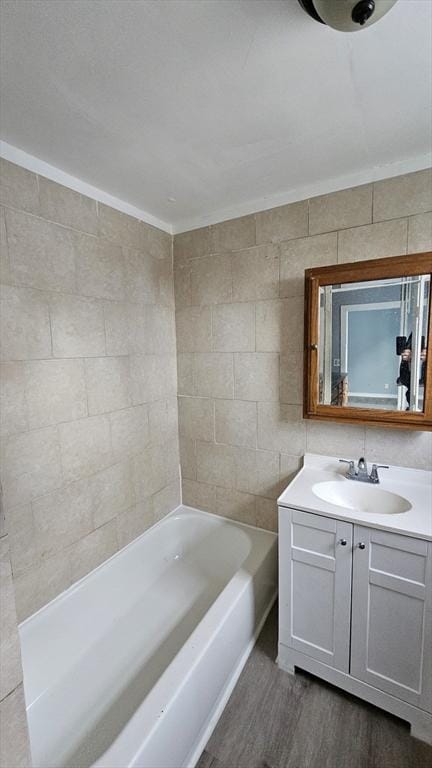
347	15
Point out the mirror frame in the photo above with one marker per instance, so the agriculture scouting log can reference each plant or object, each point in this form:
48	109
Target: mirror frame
361	271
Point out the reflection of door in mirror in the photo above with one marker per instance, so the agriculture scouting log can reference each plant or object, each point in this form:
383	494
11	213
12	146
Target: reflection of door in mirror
373	343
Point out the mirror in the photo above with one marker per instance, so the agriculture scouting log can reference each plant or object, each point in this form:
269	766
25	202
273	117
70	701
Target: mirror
367	333
373	343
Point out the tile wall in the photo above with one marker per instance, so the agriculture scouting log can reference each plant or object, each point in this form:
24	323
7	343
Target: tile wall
89	445
239	320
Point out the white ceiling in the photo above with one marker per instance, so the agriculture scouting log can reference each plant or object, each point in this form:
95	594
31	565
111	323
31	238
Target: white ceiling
227	106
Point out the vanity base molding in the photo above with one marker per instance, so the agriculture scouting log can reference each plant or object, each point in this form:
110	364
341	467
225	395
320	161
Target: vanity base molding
419	720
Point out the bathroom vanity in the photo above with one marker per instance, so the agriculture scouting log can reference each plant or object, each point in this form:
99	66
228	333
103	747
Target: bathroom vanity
355	585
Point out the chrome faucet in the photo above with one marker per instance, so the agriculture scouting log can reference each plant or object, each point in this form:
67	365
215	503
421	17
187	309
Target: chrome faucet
361	473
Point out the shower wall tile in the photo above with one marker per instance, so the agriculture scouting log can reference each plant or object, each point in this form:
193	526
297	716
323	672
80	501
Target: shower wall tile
188	457
24	546
157	243
196	418
130	431
232	235
266	514
142	273
13	404
211	280
256	376
342	440
183	286
77	326
111	492
55	391
165	500
100	270
199	495
403	195
5	272
25	332
255	273
91	551
213	374
236	422
340	210
88	387
420	233
236	505
374	241
215	464
185	373
108	384
67	207
62	517
42	583
18	187
301	254
10	656
233	327
117	327
134	521
408	449
41	254
191	245
85	446
121	228
193	328
153	377
31	465
283	223
14	740
281	428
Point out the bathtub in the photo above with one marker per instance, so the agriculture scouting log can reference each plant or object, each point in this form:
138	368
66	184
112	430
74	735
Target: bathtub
132	666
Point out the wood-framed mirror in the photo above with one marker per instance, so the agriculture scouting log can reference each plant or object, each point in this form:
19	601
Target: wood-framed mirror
368	326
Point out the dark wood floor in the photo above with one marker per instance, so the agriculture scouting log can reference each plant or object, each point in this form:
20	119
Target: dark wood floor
275	720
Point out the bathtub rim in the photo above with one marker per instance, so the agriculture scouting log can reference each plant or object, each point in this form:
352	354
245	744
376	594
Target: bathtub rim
176	511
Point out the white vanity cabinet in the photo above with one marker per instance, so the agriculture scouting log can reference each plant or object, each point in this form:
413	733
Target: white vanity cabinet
355	607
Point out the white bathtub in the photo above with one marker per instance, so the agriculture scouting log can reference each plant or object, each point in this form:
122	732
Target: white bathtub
133	664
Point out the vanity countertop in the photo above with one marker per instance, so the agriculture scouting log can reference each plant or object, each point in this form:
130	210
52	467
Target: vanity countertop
413	485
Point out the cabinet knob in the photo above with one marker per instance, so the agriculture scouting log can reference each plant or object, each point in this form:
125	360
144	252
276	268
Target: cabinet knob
343	542
362	545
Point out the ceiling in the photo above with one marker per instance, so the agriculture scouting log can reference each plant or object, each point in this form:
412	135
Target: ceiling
224	106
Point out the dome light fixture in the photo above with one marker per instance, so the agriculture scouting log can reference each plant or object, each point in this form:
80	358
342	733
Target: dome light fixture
347	15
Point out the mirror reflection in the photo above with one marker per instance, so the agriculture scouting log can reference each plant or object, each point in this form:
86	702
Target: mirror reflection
373	343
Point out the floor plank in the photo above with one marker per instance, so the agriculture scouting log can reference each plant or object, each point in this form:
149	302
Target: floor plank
275	720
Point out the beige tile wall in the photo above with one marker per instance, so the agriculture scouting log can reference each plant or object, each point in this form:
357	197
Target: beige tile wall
239	319
14	742
89	435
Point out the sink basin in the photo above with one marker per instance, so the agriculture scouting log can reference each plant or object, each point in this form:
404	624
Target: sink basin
363	498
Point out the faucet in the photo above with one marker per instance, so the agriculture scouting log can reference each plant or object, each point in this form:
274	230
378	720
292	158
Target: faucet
361	473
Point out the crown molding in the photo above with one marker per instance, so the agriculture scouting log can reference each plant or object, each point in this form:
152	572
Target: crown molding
32	163
303	192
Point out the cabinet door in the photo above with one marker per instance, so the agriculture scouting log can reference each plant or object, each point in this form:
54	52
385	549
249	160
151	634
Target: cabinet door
315	585
391	615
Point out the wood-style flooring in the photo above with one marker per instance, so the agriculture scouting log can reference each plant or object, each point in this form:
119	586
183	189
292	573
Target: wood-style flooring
275	720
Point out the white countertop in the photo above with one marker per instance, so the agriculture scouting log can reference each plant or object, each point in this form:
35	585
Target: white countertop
415	485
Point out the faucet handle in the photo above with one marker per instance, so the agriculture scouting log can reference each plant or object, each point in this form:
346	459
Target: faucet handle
374	472
351	469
